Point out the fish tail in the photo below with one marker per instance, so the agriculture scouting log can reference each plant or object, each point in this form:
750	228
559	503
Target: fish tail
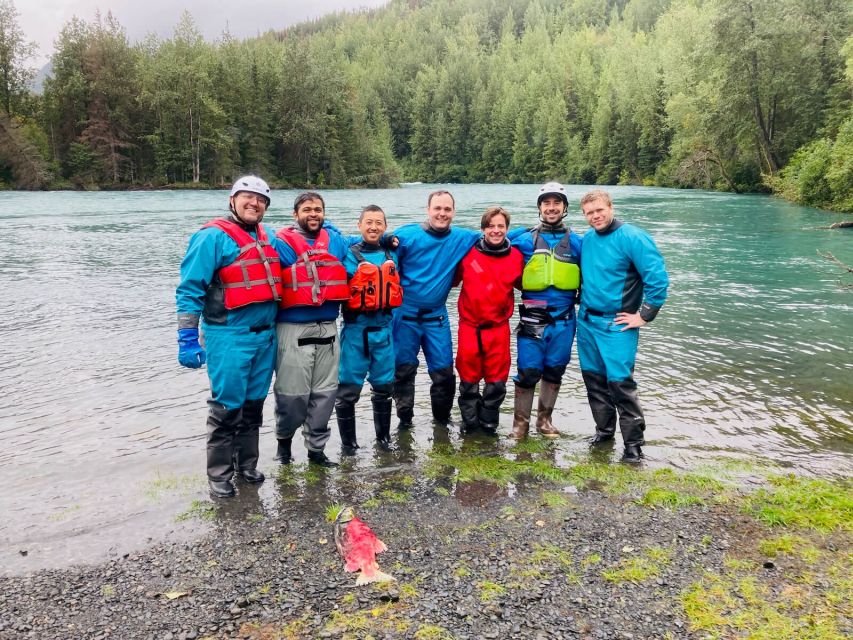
376	576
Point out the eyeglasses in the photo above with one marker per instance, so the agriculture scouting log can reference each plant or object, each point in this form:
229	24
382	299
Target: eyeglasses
311	209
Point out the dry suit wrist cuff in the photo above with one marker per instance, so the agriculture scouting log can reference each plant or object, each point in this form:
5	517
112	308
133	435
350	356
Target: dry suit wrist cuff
188	321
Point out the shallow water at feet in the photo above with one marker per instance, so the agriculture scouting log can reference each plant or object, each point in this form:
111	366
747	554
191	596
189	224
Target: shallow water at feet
751	358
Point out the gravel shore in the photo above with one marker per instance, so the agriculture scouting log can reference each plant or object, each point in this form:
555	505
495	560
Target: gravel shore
473	559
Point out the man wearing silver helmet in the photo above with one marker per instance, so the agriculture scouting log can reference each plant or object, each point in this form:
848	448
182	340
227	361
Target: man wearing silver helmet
231	283
550	283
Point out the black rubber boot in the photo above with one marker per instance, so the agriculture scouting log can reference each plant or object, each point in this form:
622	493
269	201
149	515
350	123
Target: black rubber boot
631	420
283	453
319	458
469	406
381	400
633	454
602	407
494	394
246	442
222	426
404	394
441	393
345	401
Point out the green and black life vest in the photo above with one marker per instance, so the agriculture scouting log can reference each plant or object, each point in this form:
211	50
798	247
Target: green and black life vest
557	267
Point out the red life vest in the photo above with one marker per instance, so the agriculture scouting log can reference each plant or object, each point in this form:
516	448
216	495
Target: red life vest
316	277
374	287
255	276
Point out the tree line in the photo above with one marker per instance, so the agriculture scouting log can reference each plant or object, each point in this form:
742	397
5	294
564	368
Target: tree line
738	95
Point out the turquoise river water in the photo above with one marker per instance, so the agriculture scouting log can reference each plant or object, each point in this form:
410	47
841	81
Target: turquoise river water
103	431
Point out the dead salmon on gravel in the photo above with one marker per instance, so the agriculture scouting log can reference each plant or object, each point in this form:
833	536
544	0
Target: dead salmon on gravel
358	546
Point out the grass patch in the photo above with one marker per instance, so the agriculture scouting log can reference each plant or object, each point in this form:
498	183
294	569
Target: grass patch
555	499
550	554
462	571
591	559
441	491
333	511
492	468
170	483
804	503
199	510
432	632
490	591
667	498
639	568
64	513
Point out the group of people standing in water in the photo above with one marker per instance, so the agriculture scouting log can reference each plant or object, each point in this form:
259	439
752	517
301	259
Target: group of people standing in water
269	303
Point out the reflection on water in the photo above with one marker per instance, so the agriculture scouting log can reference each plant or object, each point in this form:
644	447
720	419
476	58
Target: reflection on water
104	432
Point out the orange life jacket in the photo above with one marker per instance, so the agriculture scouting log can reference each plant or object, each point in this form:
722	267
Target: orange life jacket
374	287
255	276
316	277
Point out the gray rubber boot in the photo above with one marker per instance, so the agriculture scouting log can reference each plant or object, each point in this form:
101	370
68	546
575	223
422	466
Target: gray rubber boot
601	405
548	392
523	409
222	425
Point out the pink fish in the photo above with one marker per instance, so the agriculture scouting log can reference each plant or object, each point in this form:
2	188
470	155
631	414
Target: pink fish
358	546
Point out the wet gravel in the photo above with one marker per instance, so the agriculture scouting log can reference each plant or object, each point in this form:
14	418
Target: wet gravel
478	563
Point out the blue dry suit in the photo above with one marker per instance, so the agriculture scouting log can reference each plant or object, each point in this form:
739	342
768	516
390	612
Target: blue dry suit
544	341
308	353
623	271
367	351
428	260
240	345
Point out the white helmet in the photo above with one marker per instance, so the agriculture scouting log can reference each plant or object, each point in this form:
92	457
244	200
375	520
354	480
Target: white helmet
252	184
552	189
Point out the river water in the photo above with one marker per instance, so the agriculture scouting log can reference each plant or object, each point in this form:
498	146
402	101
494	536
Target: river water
103	431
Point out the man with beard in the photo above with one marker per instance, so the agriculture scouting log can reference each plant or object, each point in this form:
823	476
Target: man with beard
428	254
546	327
625	285
489	272
314	284
231	280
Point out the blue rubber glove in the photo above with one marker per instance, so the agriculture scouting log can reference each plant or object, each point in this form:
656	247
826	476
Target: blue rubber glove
190	352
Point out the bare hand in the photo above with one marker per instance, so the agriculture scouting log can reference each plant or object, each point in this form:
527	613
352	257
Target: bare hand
630	320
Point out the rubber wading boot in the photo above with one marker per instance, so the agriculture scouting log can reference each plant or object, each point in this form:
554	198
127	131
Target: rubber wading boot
319	458
222	426
346	425
441	393
523	409
602	407
246	442
493	396
469	404
382	420
221	488
404	394
547	399
282	452
633	454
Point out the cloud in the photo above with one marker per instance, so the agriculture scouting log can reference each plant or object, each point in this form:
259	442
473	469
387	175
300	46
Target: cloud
42	20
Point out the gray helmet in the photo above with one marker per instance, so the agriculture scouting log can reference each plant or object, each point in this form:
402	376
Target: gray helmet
552	189
252	184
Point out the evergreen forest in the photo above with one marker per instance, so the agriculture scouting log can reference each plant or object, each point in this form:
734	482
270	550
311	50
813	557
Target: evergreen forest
735	95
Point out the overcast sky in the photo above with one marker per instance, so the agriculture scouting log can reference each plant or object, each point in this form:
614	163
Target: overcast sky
42	20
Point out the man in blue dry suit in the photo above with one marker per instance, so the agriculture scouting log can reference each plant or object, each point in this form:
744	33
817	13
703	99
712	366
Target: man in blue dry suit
231	279
367	347
625	285
546	327
314	283
428	254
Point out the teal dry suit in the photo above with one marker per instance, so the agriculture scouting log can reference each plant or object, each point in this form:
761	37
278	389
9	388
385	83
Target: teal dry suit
367	351
623	271
240	346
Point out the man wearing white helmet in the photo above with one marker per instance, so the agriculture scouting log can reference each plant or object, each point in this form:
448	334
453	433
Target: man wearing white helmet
546	328
231	281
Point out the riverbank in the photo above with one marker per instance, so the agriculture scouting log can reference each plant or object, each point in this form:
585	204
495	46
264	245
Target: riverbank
483	546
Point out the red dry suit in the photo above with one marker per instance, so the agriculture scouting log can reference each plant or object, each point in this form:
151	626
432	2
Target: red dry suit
255	276
486	303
